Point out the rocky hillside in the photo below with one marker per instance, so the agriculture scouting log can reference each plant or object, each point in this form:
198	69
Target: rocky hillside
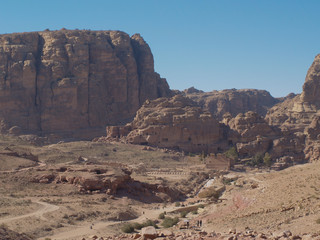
300	115
177	123
233	101
71	80
288	134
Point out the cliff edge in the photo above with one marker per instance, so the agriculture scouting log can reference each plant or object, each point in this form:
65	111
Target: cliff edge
75	82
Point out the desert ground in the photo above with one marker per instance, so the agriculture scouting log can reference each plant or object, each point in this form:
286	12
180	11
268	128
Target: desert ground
258	199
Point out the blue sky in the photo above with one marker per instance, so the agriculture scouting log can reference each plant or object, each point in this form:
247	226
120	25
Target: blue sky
208	44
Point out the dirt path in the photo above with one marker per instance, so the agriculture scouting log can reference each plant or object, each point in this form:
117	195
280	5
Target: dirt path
100	227
40	164
45	208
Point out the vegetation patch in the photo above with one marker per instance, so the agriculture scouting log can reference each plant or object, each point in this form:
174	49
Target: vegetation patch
169	222
130	227
210	192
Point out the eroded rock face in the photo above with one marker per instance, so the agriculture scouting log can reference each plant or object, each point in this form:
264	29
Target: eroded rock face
176	122
311	87
233	101
298	118
297	113
110	180
253	134
63	81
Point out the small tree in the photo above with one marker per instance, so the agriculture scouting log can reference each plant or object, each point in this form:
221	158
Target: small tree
169	222
232	153
267	159
161	216
183	214
256	160
127	228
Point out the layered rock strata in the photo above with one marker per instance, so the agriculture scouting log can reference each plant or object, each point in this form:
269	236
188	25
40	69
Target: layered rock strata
110	180
71	80
233	101
299	117
177	123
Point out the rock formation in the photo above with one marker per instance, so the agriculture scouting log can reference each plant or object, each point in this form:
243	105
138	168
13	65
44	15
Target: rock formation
108	179
296	113
176	123
233	101
70	80
254	135
298	117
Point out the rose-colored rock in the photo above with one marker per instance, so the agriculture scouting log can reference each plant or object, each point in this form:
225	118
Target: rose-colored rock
233	101
75	82
176	123
297	117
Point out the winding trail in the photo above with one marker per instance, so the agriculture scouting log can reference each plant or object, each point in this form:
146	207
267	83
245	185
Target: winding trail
99	227
45	208
40	164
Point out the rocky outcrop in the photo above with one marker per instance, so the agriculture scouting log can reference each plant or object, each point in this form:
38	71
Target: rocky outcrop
109	180
233	101
311	87
177	123
73	82
298	118
296	113
288	133
197	233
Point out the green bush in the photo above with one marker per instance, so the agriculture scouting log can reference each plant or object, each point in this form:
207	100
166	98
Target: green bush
127	228
267	159
195	212
183	214
177	204
209	193
256	160
232	153
201	206
318	221
149	223
138	226
161	216
169	222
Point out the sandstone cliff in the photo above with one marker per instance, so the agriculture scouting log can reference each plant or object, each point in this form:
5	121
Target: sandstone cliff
297	113
298	117
289	133
233	101
177	123
69	80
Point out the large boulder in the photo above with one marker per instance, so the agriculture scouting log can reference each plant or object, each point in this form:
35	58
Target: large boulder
149	233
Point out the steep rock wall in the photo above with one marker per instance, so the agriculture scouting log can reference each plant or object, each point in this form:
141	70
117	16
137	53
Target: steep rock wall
68	81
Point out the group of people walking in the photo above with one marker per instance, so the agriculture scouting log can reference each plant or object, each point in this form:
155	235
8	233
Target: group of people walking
199	223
